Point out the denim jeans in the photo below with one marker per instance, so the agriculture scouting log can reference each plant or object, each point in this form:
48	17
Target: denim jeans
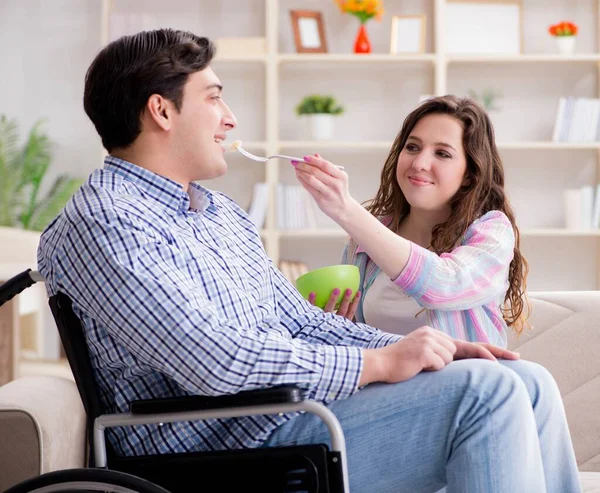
475	426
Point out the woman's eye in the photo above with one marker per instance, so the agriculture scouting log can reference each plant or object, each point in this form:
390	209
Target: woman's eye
444	154
411	147
216	97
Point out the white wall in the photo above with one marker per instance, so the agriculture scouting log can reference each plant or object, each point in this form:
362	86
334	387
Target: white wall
45	48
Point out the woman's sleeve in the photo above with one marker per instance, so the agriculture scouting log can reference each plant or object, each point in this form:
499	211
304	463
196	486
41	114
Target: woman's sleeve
473	274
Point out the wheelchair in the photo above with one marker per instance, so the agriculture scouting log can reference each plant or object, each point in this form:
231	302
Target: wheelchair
312	468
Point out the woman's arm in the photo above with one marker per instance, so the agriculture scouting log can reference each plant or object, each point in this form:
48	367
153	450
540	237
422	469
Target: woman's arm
329	187
471	275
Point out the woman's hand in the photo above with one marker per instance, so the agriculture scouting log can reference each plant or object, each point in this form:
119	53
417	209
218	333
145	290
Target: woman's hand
327	184
347	307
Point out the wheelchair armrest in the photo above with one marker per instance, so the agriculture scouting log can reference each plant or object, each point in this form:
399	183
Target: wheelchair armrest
283	394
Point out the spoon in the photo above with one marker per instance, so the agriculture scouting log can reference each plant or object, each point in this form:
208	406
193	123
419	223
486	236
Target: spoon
237	146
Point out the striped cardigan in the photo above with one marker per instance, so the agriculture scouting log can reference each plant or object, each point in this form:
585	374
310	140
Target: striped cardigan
462	291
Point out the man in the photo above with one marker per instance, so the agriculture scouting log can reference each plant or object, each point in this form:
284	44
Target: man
177	296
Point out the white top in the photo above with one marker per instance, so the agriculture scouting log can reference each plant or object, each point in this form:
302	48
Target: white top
388	308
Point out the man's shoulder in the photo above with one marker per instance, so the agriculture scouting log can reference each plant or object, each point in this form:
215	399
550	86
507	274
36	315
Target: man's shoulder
102	197
109	196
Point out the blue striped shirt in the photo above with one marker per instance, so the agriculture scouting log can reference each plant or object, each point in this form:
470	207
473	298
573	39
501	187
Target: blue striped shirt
177	296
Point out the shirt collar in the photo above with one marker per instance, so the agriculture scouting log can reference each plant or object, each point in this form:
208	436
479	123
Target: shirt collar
161	189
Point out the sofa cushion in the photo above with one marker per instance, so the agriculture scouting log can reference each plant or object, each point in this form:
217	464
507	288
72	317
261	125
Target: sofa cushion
591	482
565	338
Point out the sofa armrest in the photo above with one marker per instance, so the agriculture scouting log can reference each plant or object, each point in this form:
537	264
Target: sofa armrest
43	428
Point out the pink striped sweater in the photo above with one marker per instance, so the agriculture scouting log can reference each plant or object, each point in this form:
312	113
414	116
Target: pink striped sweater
462	291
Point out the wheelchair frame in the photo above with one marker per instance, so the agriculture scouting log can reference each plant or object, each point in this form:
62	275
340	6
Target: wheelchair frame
258	402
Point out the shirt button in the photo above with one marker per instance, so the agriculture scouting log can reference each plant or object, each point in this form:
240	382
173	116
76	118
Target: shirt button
331	396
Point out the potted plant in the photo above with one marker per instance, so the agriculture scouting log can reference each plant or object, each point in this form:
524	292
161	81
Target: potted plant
363	10
565	34
22	170
320	110
487	98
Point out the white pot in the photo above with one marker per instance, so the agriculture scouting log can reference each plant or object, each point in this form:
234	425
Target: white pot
321	126
566	44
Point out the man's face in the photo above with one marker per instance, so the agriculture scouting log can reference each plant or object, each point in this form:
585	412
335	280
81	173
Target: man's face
201	126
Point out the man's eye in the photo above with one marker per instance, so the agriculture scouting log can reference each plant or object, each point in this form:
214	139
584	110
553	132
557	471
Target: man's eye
216	97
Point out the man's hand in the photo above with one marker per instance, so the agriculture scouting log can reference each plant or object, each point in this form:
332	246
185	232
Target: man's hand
424	349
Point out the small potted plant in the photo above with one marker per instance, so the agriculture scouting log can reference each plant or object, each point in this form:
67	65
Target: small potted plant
565	34
487	98
320	110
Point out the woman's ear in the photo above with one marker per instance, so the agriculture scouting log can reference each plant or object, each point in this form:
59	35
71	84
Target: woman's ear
466	181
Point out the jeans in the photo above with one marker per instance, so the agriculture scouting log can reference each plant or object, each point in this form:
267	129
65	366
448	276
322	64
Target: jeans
476	426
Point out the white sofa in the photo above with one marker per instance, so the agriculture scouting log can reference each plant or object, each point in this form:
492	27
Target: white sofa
42	420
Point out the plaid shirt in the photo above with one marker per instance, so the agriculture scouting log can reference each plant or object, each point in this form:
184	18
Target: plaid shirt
177	296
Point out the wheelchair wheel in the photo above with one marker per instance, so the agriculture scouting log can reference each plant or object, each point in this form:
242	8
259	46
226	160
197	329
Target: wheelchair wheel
86	480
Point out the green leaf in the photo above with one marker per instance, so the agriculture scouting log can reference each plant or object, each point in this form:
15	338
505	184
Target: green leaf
318	104
22	171
62	190
36	159
10	172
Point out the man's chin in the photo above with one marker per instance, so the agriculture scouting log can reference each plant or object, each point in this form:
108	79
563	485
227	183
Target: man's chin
212	171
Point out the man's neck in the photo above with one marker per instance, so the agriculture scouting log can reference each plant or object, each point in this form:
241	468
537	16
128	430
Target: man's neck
156	160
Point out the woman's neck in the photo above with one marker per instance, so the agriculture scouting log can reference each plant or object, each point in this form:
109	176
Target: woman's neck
418	225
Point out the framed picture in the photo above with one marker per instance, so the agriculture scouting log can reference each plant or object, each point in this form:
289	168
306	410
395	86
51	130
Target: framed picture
484	27
408	34
309	33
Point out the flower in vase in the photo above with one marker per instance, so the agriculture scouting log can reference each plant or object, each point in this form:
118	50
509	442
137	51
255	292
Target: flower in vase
362	9
563	28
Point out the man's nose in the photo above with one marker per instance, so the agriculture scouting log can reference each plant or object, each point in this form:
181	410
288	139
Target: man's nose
229	119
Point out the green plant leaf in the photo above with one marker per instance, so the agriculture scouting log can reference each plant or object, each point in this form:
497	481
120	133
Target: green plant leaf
22	171
10	172
62	190
319	104
36	159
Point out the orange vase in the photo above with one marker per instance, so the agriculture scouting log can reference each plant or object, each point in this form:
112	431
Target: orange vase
362	44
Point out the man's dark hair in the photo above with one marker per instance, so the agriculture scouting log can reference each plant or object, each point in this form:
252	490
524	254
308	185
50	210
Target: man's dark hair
129	70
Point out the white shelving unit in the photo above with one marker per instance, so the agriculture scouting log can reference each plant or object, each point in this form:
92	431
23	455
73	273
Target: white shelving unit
286	75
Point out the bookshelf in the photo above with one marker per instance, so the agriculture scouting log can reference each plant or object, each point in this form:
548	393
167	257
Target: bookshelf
384	88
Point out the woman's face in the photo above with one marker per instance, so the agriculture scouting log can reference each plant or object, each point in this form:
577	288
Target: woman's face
432	165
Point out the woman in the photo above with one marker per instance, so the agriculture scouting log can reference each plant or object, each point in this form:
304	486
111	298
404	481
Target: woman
438	245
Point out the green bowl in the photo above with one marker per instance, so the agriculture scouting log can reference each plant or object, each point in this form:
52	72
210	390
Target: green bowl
324	280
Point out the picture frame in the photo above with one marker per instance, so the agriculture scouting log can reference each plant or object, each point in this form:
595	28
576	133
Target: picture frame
484	27
408	34
309	31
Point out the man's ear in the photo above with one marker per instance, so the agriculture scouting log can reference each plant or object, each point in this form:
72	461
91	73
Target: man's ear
160	110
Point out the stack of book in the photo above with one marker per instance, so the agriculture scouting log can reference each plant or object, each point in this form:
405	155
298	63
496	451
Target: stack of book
577	120
296	209
292	269
582	208
259	205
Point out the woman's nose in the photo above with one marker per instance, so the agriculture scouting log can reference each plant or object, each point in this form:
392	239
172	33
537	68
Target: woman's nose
421	162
